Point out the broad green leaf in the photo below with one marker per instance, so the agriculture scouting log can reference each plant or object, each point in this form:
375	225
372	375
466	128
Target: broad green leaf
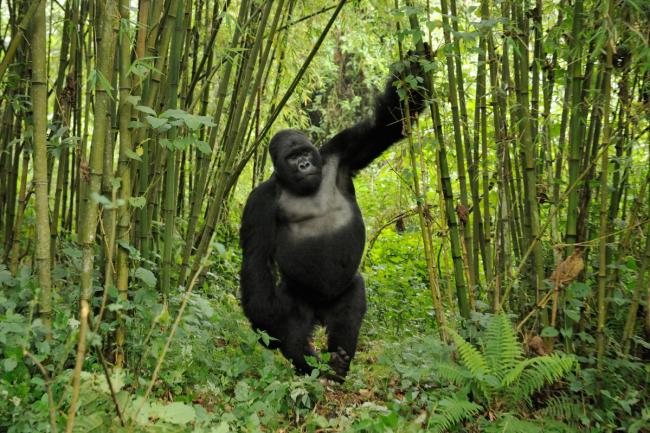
9	364
146	276
549	331
155	122
5	277
175	113
132	155
192	122
177	413
145	109
203	147
100	199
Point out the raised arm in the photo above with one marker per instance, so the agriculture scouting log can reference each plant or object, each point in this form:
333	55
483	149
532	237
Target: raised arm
359	145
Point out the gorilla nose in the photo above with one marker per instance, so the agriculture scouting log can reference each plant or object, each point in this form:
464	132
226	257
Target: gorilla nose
304	165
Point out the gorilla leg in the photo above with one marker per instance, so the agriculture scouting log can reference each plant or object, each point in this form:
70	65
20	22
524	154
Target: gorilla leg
295	342
343	320
293	329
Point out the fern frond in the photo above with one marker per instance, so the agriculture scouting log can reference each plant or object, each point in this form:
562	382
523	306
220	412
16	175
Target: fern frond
522	381
552	426
563	408
471	357
451	412
453	373
501	348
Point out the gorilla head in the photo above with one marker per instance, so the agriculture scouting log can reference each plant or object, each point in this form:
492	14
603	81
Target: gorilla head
297	163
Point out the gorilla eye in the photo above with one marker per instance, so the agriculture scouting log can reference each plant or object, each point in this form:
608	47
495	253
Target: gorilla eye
299	154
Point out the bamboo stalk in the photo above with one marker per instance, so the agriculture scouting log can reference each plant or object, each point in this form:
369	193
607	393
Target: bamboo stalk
169	209
88	222
39	107
22	203
529	153
124	173
604	190
425	227
452	94
575	138
29	18
456	249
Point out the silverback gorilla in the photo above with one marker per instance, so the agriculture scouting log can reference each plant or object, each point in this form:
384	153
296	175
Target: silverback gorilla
304	224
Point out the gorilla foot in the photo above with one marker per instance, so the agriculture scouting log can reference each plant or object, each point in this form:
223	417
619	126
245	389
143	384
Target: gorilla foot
340	363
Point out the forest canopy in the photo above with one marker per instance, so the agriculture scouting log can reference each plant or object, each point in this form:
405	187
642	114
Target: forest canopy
507	255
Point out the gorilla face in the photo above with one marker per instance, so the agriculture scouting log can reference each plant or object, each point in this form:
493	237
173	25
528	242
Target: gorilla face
298	164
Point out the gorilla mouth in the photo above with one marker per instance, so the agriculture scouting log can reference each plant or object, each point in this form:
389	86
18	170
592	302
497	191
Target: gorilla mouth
308	175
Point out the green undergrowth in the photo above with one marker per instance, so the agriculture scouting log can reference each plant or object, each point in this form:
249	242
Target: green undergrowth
217	377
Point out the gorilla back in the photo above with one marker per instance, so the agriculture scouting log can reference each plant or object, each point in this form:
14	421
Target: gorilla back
304	224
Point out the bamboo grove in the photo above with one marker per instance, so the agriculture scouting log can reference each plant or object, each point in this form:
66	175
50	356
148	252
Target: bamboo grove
128	129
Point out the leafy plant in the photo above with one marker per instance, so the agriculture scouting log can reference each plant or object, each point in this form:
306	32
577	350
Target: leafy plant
498	377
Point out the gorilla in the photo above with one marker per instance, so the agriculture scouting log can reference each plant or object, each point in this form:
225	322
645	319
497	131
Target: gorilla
302	236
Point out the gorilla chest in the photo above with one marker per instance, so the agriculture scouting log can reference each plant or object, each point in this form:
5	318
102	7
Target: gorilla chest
320	237
322	214
306	218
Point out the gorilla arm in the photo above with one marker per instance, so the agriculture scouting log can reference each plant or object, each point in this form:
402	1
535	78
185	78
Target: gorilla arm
257	237
359	145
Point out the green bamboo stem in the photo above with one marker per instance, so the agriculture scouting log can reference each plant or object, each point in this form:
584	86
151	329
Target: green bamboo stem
604	190
425	227
17	39
233	138
575	139
203	161
169	207
89	215
640	286
529	151
124	173
39	107
641	281
22	203
452	94
454	232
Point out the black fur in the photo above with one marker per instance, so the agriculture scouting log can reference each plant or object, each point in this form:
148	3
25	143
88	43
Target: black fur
303	235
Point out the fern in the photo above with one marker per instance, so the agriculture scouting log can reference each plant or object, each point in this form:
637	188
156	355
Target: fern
500	375
547	369
454	373
501	348
452	412
471	357
563	408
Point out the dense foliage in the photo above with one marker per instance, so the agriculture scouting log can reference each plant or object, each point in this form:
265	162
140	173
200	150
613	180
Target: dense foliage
508	237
